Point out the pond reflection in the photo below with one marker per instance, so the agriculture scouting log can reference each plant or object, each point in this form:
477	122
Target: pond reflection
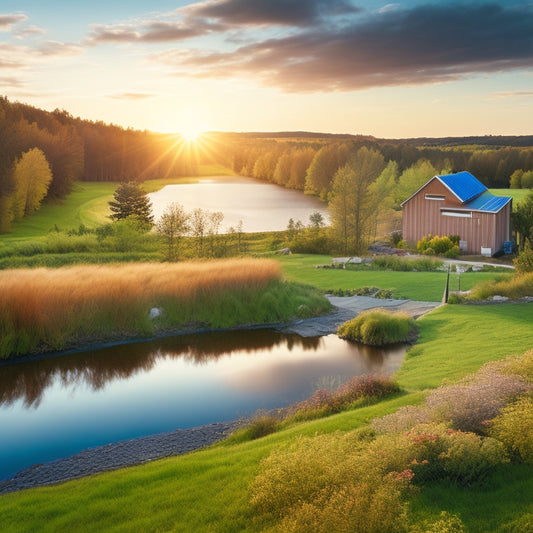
56	406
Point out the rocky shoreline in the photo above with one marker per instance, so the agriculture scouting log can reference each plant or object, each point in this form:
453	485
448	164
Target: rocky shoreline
119	455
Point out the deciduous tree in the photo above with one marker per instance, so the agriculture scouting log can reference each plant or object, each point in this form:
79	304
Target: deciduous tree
32	176
353	200
173	225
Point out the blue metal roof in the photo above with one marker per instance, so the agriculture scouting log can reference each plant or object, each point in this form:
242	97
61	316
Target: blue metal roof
488	202
463	185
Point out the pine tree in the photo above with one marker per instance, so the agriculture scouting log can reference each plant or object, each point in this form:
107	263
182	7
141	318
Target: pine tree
131	200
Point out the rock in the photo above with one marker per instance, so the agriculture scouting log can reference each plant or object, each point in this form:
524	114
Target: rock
498	298
155	312
477	268
284	251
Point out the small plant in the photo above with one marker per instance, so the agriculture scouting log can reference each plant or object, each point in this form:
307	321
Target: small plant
379	327
262	426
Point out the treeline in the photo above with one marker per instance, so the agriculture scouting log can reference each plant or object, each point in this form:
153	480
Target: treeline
310	164
71	149
76	149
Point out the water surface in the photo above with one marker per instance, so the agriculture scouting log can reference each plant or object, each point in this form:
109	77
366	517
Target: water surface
261	206
56	406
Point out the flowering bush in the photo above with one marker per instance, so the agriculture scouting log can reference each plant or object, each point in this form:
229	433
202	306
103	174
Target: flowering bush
434	451
514	427
475	400
324	402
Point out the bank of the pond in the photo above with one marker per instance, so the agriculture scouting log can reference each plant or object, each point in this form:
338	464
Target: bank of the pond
119	455
50	310
140	450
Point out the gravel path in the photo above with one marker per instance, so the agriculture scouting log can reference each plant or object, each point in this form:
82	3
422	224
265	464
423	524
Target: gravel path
144	449
347	307
118	455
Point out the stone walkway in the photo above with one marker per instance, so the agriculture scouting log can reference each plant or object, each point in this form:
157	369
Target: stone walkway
118	455
347	307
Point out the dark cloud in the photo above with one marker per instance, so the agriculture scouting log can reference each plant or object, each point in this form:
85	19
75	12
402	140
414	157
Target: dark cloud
6	21
426	44
261	12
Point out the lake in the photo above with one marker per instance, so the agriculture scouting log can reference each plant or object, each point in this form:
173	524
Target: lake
56	406
261	206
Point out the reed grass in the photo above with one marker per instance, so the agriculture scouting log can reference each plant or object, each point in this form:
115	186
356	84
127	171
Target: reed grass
518	286
53	309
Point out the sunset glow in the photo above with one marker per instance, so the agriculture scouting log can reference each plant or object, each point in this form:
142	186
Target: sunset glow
187	66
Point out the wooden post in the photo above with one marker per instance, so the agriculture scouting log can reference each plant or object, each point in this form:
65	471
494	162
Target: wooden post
447	288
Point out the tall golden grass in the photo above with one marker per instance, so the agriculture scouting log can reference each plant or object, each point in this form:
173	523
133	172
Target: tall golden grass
44	309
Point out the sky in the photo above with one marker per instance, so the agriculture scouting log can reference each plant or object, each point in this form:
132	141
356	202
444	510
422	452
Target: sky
412	68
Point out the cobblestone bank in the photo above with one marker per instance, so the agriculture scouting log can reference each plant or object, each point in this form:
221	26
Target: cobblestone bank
118	455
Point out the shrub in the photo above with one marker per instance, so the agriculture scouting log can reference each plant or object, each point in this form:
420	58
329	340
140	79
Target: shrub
329	483
435	245
514	427
476	399
378	327
402	420
524	262
324	402
357	506
516	287
434	451
262	426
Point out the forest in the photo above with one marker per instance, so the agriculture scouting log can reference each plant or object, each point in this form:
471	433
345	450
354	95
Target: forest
42	154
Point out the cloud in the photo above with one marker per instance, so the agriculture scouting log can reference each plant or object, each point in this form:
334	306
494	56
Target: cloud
513	94
6	21
426	44
12	82
131	96
28	31
150	32
262	12
57	48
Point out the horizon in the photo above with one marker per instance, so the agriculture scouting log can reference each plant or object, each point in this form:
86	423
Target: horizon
404	70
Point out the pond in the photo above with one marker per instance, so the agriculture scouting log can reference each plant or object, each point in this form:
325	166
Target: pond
260	206
56	406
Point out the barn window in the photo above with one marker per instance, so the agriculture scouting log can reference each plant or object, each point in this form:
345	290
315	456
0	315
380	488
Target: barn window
458	214
435	197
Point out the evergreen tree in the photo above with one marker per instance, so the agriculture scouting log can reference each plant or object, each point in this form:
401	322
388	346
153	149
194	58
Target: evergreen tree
131	200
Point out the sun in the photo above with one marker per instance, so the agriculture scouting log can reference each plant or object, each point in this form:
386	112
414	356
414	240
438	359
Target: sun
191	134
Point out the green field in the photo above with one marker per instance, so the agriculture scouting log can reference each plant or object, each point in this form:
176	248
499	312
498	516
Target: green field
518	195
423	286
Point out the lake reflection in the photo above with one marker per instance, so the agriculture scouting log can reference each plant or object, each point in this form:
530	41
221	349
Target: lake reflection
260	206
56	406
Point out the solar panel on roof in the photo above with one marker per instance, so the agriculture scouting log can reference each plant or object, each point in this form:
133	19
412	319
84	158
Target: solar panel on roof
463	185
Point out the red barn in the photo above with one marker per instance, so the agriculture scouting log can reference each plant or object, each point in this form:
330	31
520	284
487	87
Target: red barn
458	204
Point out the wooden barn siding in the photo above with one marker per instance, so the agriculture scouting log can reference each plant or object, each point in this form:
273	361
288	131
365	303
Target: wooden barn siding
421	216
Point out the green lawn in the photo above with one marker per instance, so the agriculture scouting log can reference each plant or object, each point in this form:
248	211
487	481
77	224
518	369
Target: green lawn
207	490
518	195
423	286
86	204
